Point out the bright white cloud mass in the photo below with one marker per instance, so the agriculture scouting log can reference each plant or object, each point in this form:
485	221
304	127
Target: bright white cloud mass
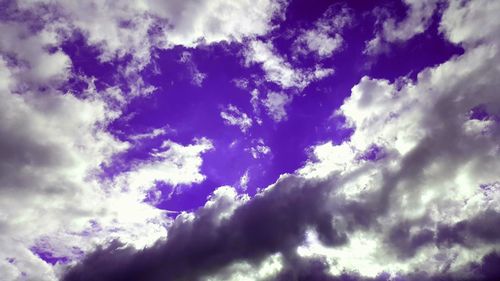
249	140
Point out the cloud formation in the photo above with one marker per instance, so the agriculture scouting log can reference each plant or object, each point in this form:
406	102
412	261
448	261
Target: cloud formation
374	207
395	209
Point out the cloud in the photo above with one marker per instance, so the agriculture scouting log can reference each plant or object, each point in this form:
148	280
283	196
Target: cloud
275	104
280	71
54	144
418	19
234	117
28	56
152	134
325	37
318	42
430	152
471	23
417	213
197	76
46	168
269	223
134	28
172	163
259	148
215	21
52	200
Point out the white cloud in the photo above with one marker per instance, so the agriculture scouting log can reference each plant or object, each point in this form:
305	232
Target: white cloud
52	145
320	43
215	21
259	149
255	100
173	164
327	158
152	134
123	27
234	117
324	38
245	271
416	22
275	104
471	23
34	64
278	70
224	201
243	184
197	77
52	149
47	168
241	83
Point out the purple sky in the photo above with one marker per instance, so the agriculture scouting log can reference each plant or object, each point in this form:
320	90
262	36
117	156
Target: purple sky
249	140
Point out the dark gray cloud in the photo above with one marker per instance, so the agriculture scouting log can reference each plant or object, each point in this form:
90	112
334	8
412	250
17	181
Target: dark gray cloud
273	222
483	228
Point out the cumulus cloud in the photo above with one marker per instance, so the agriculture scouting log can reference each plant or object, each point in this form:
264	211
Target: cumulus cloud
429	153
52	148
416	210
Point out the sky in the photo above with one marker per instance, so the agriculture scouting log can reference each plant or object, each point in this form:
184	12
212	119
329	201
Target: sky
249	140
